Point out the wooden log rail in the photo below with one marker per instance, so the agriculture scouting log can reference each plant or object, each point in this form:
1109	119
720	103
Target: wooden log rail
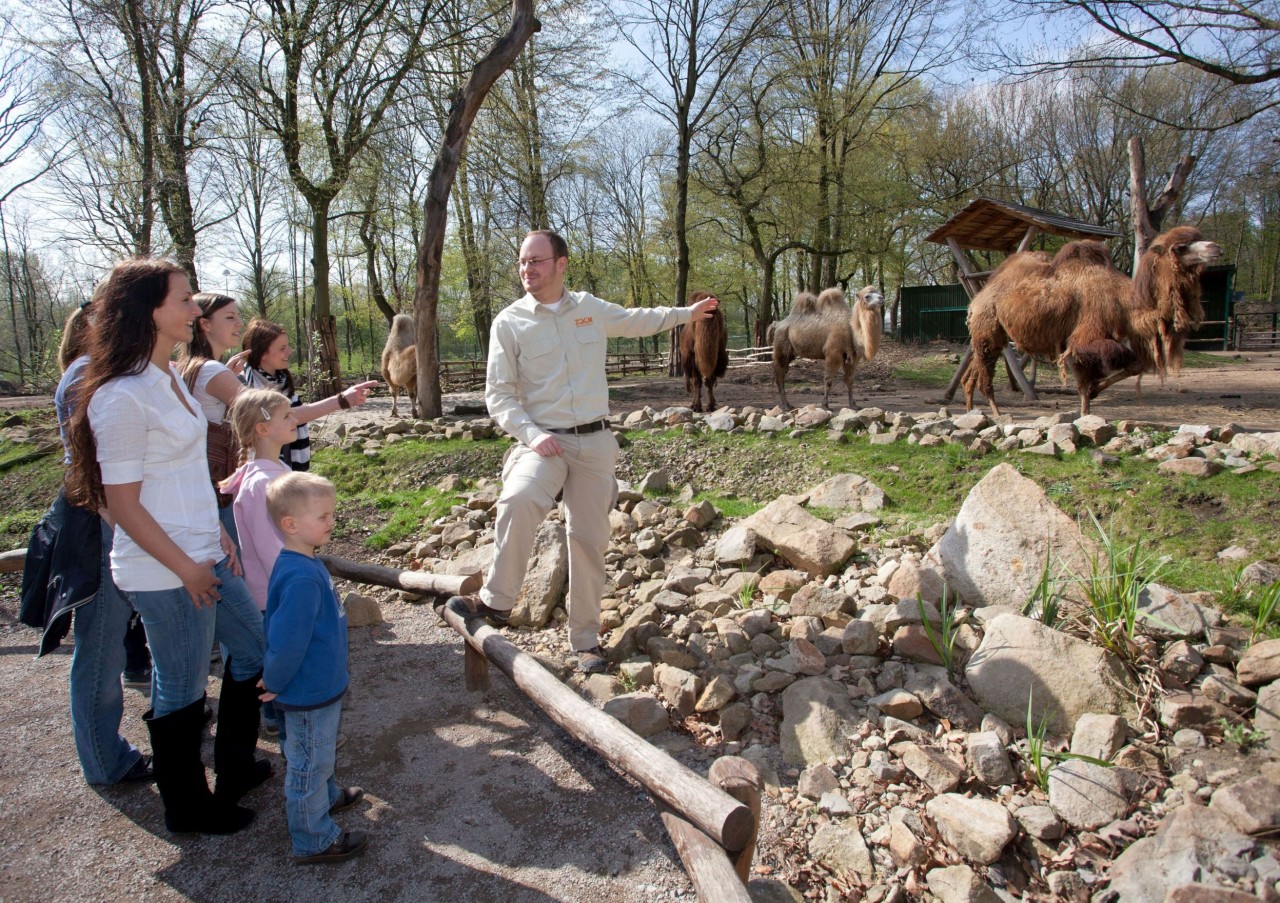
713	832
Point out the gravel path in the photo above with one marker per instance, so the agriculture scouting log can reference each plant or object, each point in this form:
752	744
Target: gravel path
469	798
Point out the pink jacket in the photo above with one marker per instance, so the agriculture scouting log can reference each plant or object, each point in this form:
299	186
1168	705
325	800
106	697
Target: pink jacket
260	541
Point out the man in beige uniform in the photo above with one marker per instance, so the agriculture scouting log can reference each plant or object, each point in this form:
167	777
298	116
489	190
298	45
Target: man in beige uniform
546	386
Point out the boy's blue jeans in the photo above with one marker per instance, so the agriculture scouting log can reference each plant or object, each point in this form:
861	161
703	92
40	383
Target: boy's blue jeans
310	741
181	635
97	699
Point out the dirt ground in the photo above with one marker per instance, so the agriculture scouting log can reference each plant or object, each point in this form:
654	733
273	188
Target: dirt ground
470	797
1244	388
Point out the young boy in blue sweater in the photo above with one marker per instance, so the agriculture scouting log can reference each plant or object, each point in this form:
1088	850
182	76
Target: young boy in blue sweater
305	669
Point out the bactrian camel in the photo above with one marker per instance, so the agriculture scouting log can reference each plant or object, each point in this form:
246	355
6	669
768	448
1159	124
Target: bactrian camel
826	329
400	363
1077	308
703	354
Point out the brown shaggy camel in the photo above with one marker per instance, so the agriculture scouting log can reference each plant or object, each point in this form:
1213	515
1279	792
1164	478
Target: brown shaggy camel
1095	321
825	329
400	363
703	354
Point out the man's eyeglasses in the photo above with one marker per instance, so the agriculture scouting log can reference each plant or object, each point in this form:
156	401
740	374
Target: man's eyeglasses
525	264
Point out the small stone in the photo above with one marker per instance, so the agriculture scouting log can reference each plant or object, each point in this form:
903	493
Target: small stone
1085	795
1253	806
978	829
834	804
817	780
959	884
898	703
1099	736
1041	822
1188	739
938	771
988	759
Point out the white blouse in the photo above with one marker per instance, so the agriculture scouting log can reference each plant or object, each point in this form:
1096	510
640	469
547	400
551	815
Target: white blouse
145	434
214	410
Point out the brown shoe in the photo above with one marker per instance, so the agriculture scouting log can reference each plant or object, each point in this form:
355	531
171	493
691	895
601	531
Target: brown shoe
350	796
351	843
592	661
472	606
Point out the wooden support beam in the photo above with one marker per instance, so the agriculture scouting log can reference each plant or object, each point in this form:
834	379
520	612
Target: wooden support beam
741	780
955	380
1015	370
725	820
1032	231
709	869
13	560
413	581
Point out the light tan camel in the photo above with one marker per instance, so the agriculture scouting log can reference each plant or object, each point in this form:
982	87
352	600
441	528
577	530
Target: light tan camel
1082	311
826	329
400	363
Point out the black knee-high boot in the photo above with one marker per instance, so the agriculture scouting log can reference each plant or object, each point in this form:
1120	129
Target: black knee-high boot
239	714
189	807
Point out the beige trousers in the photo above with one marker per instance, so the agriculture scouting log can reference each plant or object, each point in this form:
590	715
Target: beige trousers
529	485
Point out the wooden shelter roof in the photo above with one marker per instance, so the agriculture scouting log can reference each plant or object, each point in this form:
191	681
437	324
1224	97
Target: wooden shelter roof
986	224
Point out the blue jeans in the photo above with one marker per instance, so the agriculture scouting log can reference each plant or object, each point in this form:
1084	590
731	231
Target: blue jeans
310	741
97	699
180	636
228	518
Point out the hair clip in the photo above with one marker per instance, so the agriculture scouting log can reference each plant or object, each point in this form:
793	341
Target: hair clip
266	415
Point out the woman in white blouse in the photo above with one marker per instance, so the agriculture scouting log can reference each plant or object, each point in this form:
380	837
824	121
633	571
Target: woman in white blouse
138	450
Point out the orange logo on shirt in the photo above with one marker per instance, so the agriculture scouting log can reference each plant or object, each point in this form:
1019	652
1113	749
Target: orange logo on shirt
582	321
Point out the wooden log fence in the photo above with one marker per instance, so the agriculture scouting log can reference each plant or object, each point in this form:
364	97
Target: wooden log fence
468	375
713	832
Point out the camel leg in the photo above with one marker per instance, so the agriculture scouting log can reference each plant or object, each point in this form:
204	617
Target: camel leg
395	398
780	368
848	380
695	386
984	367
711	394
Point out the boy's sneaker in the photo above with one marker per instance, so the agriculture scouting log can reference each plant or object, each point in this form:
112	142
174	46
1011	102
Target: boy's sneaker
350	796
270	730
138	680
351	843
472	607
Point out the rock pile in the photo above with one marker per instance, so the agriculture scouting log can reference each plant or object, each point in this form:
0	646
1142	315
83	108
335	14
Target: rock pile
890	719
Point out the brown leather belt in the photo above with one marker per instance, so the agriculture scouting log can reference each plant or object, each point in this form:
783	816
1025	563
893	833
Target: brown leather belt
580	430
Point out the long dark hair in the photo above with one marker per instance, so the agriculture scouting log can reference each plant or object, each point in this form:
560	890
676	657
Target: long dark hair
258	336
193	354
120	344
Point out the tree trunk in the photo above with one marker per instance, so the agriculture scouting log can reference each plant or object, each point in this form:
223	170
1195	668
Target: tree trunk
1146	220
325	324
462	113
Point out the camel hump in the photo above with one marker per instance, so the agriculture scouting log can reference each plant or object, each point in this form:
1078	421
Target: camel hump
402	335
832	298
695	297
1080	253
805	303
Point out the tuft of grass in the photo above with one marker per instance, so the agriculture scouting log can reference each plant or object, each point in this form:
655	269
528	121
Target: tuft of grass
1113	587
1046	599
943	640
1266	599
1241	735
1040	757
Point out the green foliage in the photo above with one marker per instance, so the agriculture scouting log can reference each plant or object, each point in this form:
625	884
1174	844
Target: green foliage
1241	735
1266	599
1040	756
1113	587
943	639
1046	599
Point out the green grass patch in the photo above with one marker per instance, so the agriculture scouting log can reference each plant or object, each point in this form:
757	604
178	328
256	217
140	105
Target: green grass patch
391	496
927	370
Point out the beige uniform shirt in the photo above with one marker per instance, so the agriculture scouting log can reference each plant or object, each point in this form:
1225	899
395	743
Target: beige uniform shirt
547	370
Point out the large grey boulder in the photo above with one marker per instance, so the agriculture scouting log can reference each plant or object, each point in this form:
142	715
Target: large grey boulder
996	548
978	829
1187	845
1086	796
546	580
847	491
805	541
841	848
1064	677
817	720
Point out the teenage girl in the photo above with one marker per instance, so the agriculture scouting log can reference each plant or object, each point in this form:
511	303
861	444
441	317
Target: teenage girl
215	384
137	444
267	355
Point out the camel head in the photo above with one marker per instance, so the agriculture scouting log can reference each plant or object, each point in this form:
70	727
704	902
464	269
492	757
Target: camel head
1188	246
869	296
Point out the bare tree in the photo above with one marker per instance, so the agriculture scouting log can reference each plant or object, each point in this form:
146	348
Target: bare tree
325	72
694	47
462	113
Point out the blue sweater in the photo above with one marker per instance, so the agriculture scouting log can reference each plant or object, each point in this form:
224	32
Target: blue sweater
306	661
